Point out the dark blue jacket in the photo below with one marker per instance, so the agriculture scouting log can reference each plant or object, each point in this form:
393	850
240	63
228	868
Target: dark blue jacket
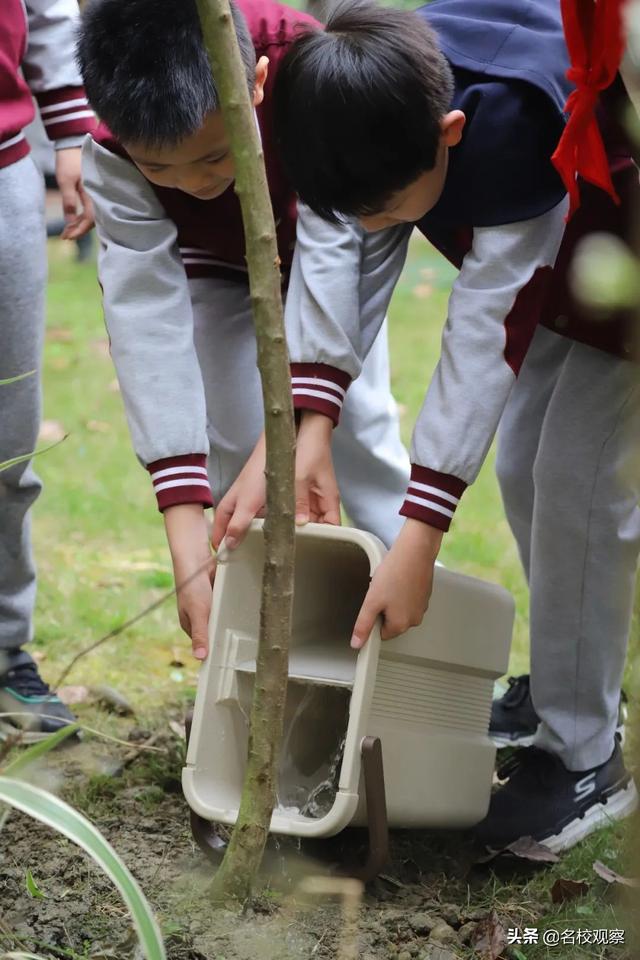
509	61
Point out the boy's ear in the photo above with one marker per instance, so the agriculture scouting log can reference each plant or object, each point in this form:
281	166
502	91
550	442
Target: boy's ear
262	71
452	125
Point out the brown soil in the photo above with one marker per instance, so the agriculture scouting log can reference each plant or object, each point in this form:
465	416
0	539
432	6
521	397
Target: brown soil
426	906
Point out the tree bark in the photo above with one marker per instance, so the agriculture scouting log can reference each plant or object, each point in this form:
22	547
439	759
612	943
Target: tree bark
237	874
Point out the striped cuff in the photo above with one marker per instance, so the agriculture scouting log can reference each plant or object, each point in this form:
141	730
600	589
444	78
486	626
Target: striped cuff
432	497
181	480
319	387
65	112
13	148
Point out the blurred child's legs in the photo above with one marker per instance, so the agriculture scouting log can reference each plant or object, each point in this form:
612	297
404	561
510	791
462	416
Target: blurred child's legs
372	465
22	290
570	481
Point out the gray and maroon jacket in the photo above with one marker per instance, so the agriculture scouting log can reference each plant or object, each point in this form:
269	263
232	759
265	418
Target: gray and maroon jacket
501	221
37	58
153	240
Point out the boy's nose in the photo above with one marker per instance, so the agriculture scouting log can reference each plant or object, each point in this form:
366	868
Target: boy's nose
196	182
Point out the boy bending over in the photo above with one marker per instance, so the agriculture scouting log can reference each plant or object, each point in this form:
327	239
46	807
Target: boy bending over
176	293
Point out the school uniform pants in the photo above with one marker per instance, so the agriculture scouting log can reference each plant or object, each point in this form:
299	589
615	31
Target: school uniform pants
23	269
372	465
569	471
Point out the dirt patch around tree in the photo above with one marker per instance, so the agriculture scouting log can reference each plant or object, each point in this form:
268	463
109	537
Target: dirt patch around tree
430	904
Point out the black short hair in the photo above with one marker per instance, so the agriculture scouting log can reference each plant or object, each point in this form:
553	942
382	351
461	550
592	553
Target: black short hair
146	70
358	107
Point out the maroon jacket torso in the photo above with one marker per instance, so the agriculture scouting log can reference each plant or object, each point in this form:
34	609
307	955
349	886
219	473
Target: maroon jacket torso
210	232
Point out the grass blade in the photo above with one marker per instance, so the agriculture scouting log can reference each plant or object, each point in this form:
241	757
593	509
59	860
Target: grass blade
29	456
20	376
58	815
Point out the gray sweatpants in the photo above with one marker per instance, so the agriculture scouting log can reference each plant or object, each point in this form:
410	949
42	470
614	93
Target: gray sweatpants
570	479
23	273
372	465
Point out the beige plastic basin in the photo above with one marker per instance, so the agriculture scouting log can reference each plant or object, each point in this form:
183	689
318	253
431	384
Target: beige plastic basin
426	695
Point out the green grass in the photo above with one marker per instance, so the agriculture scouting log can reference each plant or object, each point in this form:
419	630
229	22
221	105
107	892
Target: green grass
102	556
99	539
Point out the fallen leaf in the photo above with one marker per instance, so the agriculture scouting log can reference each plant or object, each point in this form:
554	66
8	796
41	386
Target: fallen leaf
59	335
59	363
38	655
71	695
113	700
606	873
51	431
489	938
98	426
114	387
101	347
177	658
565	889
525	848
422	291
428	273
178	729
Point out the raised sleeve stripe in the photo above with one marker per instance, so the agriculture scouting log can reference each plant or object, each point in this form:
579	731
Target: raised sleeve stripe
181	479
67	117
432	497
427	488
173	471
187	482
317	382
54	107
321	394
10	143
429	504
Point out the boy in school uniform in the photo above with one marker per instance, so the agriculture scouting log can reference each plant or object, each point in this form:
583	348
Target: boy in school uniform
446	119
36	61
173	273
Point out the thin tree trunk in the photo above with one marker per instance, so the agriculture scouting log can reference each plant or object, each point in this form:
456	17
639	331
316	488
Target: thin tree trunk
237	873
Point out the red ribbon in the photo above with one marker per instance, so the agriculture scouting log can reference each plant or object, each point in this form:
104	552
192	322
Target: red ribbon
595	41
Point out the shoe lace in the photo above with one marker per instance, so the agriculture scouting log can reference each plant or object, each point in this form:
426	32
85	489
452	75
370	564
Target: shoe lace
26	681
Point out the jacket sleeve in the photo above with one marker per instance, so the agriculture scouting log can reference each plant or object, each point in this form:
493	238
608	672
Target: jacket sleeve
339	290
492	314
150	324
50	69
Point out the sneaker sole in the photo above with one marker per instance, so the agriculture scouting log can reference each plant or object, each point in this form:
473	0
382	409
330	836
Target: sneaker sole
503	740
618	806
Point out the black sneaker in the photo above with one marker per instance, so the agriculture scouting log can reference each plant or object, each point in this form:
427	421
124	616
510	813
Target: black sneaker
514	721
544	800
27	702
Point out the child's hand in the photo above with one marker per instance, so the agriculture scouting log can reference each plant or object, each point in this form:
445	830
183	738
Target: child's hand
244	501
193	570
76	205
401	586
317	495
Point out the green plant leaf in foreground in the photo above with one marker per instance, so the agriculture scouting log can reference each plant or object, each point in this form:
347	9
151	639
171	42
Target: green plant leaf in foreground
32	887
20	376
29	456
38	750
58	815
21	956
